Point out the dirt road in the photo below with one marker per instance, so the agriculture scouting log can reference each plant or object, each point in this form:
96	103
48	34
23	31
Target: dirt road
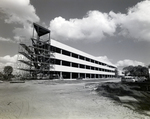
50	100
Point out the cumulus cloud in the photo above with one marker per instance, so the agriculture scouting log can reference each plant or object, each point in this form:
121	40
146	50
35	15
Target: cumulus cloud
128	62
122	63
8	58
104	59
8	61
94	26
97	25
5	39
136	23
19	12
23	33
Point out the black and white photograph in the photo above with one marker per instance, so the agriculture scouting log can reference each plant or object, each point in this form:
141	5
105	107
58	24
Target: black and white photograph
74	59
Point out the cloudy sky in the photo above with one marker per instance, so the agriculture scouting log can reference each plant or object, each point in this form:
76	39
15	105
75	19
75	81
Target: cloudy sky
113	30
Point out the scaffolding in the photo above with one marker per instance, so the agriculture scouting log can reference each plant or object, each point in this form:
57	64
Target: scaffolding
34	55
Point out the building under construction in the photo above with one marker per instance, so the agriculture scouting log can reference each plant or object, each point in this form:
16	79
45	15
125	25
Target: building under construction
43	57
36	53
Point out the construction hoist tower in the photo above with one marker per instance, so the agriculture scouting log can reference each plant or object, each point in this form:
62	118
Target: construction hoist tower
35	56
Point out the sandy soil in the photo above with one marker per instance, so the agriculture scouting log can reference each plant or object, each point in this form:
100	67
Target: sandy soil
54	100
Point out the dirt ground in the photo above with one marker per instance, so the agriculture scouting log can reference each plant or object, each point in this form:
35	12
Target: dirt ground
59	100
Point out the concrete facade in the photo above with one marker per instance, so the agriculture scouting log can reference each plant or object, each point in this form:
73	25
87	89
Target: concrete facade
70	63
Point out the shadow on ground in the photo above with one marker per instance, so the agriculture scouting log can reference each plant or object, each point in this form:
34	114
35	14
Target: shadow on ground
135	96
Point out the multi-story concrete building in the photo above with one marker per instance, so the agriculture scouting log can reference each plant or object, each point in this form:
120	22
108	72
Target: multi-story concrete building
71	63
62	61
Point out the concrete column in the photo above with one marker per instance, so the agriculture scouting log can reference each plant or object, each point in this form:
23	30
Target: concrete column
89	60
71	75
61	76
60	62
60	51
78	75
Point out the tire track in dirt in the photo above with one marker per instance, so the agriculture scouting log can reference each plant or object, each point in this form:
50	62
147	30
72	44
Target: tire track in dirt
15	108
23	105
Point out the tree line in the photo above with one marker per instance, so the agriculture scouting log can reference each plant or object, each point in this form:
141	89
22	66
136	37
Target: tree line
139	71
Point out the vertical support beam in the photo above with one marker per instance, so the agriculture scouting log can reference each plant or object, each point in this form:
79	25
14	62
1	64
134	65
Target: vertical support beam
60	62
60	51
33	31
78	75
70	75
84	58
61	76
70	64
89	60
49	52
